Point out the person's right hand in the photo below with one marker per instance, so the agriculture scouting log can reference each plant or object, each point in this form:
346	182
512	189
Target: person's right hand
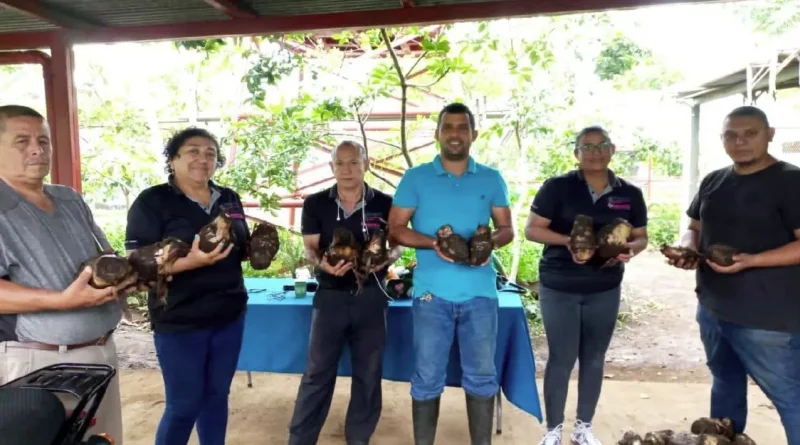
338	270
575	258
683	263
80	294
197	258
439	252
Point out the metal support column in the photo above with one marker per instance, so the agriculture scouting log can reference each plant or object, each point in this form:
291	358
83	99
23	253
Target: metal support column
66	169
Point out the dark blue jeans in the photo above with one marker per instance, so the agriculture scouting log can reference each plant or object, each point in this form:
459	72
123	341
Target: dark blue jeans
198	368
436	323
771	358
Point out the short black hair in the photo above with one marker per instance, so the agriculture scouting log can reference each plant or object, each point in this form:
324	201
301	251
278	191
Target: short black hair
592	129
12	111
456	108
749	111
178	139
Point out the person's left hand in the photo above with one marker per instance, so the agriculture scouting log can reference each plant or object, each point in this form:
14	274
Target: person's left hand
389	261
625	257
621	258
741	262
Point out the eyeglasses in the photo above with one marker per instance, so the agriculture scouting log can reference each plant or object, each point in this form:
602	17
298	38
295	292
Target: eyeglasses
603	146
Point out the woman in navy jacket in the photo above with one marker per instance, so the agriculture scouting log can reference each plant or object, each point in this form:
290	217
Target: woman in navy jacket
198	334
580	299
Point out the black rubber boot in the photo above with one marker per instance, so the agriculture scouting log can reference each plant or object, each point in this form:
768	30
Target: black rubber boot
425	415
480	413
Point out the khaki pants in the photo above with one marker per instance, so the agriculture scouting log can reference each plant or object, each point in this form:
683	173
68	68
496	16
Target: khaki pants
16	362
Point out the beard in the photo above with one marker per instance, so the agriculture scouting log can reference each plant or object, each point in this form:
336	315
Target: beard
460	155
455	156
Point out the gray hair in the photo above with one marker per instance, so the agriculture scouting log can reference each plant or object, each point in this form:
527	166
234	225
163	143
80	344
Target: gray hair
362	152
592	129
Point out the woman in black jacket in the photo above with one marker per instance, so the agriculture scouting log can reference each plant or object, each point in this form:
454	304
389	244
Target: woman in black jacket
580	298
198	333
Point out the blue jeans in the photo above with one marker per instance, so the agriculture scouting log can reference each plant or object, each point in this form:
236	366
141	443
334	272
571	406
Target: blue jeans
436	323
197	367
771	358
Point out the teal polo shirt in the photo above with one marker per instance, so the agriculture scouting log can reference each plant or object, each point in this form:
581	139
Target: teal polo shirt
438	198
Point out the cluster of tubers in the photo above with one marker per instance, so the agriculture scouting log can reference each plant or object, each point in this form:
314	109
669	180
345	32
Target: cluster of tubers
610	241
704	431
150	267
347	249
474	251
720	254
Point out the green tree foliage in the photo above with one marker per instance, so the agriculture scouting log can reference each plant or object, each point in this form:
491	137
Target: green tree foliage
663	156
269	144
774	17
632	67
619	56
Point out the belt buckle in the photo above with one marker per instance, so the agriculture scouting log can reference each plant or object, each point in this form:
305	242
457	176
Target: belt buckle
63	349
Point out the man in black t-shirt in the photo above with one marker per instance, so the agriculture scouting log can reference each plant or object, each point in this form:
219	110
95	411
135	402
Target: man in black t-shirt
340	314
749	312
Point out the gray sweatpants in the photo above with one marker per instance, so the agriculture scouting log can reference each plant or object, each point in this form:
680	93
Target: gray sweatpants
578	327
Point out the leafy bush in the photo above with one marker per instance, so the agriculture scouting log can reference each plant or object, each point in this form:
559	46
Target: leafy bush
291	256
528	262
115	232
664	223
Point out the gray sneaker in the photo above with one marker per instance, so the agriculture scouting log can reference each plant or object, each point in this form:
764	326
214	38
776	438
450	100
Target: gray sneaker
583	434
553	436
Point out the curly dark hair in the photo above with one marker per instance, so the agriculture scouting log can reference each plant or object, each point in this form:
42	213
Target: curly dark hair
178	139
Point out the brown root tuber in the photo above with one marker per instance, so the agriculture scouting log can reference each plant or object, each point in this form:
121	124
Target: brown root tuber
582	240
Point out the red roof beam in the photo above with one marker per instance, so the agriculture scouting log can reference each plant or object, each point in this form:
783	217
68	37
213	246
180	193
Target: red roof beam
356	19
23	58
236	9
336	21
49	14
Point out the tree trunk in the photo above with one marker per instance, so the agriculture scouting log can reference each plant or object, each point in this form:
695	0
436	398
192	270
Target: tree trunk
520	174
516	212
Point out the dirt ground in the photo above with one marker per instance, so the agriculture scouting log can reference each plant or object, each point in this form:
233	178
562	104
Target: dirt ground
260	415
655	378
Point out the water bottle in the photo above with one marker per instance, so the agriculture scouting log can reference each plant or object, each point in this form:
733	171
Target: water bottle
300	283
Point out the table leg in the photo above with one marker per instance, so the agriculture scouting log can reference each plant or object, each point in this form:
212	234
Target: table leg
249	380
499	429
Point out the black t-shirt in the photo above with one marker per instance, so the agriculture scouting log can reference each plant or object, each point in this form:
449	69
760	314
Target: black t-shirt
322	214
561	199
753	213
200	298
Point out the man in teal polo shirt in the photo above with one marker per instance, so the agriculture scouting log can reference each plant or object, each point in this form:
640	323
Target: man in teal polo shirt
452	300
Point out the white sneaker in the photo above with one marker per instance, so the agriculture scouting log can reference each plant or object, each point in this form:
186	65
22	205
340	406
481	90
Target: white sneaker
583	434
553	437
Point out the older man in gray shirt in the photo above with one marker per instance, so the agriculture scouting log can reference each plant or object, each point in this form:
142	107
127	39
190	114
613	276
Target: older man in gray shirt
47	316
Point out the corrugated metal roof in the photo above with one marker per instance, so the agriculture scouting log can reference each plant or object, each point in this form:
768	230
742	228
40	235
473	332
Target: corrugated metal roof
134	20
157	12
11	21
295	7
139	12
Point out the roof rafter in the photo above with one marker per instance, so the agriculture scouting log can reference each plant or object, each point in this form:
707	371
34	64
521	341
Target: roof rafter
234	8
49	14
354	19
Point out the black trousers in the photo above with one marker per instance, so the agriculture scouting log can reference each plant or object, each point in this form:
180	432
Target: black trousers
361	323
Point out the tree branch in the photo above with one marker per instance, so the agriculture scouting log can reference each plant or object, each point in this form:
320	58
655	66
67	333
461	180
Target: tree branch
403	97
382	178
377	141
419	59
438	79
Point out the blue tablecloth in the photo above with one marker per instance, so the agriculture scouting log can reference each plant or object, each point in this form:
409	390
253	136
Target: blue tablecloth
277	328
